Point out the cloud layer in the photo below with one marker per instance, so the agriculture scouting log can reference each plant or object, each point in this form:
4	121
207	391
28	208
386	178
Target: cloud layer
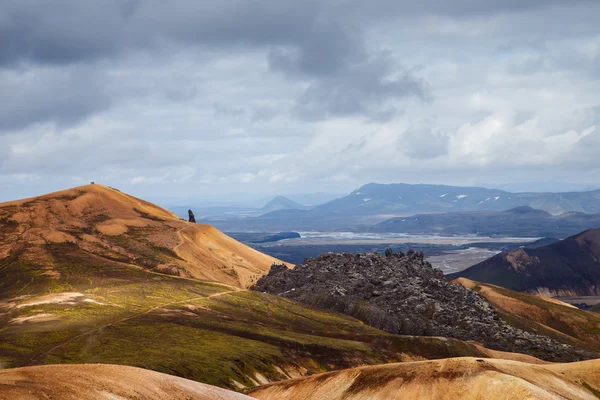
205	99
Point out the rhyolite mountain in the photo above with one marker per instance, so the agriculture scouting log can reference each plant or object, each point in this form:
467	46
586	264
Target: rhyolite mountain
570	267
374	203
540	314
102	381
462	378
521	221
403	294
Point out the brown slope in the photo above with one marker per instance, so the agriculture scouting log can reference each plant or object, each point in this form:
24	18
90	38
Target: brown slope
542	315
570	267
104	222
101	381
458	378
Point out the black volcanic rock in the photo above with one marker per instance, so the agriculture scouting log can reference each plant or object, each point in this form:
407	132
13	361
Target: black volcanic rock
570	267
403	294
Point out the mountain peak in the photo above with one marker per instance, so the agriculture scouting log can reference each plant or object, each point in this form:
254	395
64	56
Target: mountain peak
281	203
568	267
527	210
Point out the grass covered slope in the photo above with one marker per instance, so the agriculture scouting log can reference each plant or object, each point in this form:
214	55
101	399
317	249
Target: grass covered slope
545	316
90	382
200	331
461	378
229	339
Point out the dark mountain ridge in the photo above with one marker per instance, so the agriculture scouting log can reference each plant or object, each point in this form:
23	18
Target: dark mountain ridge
570	267
520	221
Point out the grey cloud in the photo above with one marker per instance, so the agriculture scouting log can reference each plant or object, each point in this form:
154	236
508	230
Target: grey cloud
456	8
58	32
424	143
345	78
225	111
67	31
307	42
323	50
181	92
360	89
85	153
263	113
63	96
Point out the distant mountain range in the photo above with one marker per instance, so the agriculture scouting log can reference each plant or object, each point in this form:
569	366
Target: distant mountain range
282	203
570	267
374	203
521	221
375	199
236	213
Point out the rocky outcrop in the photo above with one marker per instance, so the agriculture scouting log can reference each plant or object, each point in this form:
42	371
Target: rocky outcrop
403	294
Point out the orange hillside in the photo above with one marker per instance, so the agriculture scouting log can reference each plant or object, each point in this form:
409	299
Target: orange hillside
107	223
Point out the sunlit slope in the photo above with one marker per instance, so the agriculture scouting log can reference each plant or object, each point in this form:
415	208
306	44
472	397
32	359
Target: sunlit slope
104	222
92	382
542	315
451	379
207	333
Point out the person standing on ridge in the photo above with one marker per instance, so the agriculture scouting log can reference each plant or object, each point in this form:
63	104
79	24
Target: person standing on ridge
191	214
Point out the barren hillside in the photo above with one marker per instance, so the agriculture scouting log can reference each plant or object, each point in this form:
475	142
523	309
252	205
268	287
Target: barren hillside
98	381
104	222
459	378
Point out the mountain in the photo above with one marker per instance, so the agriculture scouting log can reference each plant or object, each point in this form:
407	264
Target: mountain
545	241
462	378
220	213
92	275
97	221
570	267
378	198
521	221
281	203
543	315
94	381
402	294
374	203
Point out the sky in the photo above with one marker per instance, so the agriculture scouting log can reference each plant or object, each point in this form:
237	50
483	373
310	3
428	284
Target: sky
233	100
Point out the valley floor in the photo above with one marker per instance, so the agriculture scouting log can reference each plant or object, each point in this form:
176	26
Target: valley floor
450	254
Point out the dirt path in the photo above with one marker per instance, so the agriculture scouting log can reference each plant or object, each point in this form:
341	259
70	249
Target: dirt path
182	239
35	359
181	277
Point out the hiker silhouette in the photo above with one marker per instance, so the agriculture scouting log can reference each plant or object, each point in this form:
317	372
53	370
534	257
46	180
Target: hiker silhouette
191	214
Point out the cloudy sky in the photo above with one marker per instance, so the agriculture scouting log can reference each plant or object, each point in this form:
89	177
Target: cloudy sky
236	99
